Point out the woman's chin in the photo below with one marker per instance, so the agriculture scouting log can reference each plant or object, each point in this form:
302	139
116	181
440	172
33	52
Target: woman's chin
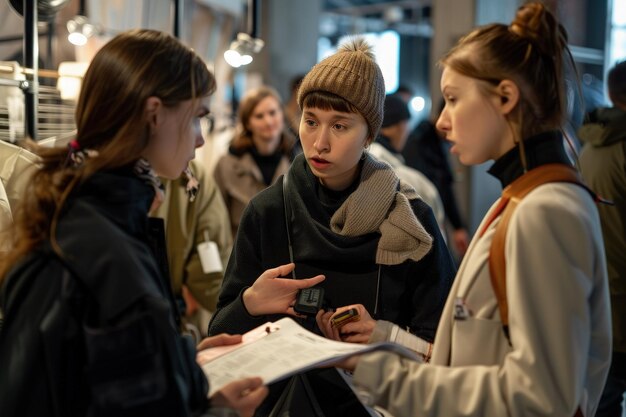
171	174
469	160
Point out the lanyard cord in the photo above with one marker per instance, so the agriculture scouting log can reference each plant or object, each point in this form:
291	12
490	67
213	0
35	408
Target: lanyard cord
287	209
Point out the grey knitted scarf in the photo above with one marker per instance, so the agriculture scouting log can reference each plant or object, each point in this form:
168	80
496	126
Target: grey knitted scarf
381	204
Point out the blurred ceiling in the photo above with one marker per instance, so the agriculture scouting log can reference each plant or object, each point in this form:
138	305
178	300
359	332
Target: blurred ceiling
407	17
371	7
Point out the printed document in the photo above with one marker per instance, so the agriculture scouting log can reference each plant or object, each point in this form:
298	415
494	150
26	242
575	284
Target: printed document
277	350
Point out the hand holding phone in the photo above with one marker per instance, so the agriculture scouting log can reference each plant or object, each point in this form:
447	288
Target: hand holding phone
351	323
344	317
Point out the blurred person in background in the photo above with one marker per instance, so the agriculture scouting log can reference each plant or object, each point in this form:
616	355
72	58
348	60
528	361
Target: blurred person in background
426	151
388	147
259	153
603	165
293	112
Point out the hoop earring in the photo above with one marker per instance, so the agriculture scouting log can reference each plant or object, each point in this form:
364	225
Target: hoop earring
363	155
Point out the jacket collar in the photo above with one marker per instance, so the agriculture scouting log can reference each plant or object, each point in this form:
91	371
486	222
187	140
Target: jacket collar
120	196
544	148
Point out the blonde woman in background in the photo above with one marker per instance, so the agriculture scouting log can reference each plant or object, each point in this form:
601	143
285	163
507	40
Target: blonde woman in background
259	153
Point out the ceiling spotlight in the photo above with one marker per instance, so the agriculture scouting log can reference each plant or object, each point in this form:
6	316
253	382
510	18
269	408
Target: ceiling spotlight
242	50
80	29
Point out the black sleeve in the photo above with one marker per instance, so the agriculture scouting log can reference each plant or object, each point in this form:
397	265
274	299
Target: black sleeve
433	275
450	206
423	151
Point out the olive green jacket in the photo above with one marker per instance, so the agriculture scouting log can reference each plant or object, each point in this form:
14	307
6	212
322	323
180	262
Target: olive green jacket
603	166
185	226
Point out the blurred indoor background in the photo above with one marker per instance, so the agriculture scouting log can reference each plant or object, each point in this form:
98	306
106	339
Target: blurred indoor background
271	42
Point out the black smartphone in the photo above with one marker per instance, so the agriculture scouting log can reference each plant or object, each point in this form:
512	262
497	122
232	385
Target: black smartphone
309	301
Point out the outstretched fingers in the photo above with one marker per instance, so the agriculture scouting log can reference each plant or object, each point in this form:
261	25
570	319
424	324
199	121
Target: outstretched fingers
279	271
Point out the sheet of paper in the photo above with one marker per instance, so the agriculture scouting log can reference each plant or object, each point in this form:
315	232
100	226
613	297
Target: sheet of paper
286	350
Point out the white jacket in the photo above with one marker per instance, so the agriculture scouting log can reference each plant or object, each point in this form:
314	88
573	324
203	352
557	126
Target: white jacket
559	324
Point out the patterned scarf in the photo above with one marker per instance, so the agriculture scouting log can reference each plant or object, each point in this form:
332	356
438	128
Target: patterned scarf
144	171
76	157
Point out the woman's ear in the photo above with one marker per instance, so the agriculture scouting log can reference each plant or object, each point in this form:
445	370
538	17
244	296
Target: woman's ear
153	111
509	96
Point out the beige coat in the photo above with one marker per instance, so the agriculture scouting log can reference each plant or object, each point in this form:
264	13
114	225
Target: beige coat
559	322
239	179
16	166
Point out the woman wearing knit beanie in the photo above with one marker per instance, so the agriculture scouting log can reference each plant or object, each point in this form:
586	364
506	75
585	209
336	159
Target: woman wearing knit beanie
341	213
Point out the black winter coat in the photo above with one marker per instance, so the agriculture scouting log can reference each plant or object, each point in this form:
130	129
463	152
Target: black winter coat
95	333
412	294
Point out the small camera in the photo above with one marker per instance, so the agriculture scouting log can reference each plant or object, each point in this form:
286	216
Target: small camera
309	301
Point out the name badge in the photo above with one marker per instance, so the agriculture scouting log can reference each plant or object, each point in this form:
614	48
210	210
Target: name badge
209	257
461	312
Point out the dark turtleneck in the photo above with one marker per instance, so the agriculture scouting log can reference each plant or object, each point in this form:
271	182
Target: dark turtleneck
267	164
331	200
541	149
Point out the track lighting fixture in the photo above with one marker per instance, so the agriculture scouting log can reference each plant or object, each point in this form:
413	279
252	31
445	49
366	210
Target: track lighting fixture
242	50
80	29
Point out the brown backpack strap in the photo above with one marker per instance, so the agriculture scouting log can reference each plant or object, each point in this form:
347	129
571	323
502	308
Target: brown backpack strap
511	196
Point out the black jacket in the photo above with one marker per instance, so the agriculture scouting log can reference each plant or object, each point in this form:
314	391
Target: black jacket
412	294
424	151
95	333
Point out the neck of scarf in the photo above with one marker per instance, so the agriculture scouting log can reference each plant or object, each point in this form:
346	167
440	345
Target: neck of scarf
381	204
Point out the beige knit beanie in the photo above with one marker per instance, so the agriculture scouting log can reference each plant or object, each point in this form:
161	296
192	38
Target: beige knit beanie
352	74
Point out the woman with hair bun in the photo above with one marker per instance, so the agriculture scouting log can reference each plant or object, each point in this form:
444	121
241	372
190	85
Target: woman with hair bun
549	355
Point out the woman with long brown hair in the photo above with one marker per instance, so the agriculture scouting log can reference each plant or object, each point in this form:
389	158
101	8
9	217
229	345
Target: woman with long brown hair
259	153
89	323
